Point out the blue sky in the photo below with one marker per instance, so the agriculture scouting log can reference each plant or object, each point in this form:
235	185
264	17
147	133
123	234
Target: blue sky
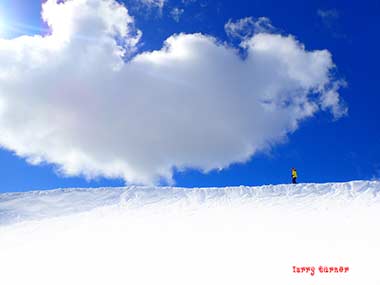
322	149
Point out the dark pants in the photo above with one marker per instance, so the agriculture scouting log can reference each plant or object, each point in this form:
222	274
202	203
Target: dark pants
294	180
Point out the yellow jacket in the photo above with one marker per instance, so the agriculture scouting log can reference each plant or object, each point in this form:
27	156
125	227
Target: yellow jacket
294	173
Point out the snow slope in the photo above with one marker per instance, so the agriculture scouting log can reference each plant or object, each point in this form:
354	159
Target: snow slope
235	235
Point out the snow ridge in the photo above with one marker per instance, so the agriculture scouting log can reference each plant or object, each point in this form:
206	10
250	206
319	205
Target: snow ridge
37	205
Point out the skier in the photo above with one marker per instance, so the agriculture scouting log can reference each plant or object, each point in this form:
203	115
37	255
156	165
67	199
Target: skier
294	175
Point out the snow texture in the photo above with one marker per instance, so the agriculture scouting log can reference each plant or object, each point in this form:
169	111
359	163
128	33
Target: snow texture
234	235
17	207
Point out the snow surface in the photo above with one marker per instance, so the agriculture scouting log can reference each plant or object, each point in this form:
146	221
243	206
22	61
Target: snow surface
235	235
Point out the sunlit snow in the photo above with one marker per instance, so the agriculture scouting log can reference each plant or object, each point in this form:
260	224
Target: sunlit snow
237	235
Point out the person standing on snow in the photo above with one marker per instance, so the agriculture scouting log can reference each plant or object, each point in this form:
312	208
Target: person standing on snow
294	175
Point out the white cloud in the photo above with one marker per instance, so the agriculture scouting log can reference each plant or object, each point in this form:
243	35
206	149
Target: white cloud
330	99
176	13
331	20
159	4
70	99
328	17
245	28
328	14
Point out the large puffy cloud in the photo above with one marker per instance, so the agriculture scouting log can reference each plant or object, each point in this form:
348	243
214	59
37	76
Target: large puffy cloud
70	98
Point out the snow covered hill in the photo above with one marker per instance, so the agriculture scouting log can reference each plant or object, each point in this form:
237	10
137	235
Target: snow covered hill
235	235
17	207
